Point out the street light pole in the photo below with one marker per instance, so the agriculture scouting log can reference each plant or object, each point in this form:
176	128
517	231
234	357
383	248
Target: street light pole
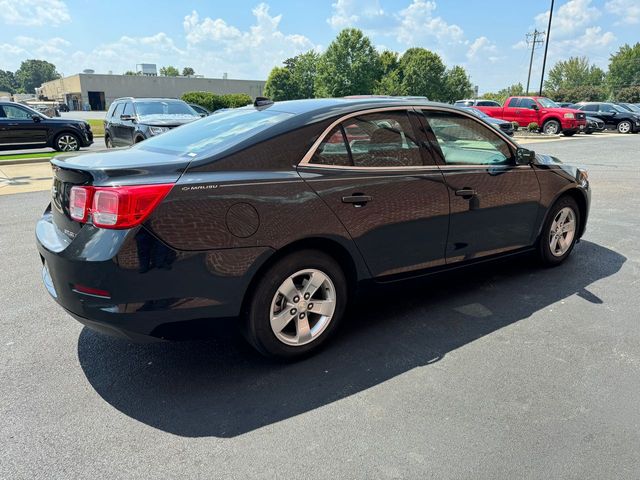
546	47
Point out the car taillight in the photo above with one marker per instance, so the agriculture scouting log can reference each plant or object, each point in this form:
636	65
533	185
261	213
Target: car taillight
125	207
115	207
79	203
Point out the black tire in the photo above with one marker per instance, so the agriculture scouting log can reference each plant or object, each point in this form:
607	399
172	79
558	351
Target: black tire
138	140
544	248
569	133
108	142
257	317
588	132
66	142
553	127
624	126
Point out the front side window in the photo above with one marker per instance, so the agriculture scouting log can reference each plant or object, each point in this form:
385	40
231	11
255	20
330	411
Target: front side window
514	102
527	103
464	141
589	108
128	109
118	111
17	113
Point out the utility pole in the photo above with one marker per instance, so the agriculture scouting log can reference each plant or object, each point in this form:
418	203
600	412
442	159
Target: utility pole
546	47
534	39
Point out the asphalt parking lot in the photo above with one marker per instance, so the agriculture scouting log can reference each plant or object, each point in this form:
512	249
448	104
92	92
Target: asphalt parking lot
504	371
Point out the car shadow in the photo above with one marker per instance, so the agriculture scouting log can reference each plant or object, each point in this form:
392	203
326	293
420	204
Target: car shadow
220	387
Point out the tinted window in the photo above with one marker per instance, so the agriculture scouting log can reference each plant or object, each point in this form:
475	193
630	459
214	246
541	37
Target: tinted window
589	108
164	108
333	150
488	103
465	141
215	133
513	102
17	113
118	110
382	140
527	103
128	109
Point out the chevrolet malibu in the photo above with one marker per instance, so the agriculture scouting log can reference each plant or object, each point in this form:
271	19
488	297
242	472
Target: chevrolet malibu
275	212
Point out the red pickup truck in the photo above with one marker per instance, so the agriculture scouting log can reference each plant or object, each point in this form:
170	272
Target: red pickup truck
551	118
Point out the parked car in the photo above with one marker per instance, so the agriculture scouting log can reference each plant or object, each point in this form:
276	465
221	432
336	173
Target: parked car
630	107
203	112
594	125
504	126
552	118
132	120
240	215
23	127
477	102
48	110
614	116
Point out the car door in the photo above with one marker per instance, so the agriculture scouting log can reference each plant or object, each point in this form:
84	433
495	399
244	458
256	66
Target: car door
114	125
509	112
528	112
494	203
608	114
127	125
20	127
371	172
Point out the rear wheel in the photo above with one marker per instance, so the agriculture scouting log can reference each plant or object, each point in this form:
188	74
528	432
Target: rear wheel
560	232
66	142
624	126
551	127
296	305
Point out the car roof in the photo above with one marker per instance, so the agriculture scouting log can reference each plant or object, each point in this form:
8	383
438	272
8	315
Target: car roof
323	107
147	99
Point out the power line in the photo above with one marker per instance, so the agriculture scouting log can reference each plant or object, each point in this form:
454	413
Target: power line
534	40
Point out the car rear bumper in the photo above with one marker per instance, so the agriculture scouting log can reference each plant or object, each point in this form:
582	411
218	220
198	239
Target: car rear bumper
128	283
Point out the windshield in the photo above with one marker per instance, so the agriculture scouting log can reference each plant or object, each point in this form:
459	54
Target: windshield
547	103
163	109
214	133
633	107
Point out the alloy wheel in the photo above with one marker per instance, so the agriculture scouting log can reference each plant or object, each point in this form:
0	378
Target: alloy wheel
67	143
551	128
624	127
302	307
562	232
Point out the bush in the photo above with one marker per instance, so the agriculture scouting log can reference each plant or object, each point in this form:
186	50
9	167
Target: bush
213	102
533	127
628	94
515	126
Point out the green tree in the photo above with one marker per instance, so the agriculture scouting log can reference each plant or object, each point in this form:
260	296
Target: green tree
130	73
280	85
388	62
390	84
169	71
8	82
186	71
624	68
500	96
628	94
350	66
575	72
423	74
33	73
303	70
457	84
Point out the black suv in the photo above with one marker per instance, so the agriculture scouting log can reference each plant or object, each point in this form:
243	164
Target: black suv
614	116
131	120
23	127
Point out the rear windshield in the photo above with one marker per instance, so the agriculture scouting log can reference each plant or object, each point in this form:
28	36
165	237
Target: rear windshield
164	109
215	133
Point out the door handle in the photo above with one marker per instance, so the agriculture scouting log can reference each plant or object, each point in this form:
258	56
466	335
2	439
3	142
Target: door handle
13	124
357	199
466	193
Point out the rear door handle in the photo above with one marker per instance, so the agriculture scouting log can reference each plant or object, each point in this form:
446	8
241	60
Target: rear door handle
466	193
357	199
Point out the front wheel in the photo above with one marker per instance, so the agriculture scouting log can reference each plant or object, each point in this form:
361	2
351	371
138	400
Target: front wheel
559	232
67	142
624	126
296	305
551	127
108	142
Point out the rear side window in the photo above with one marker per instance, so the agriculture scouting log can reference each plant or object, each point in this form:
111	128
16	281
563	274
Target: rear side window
589	108
333	150
464	141
488	103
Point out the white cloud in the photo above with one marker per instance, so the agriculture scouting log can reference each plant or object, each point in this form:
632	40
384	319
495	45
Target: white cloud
34	13
629	12
569	18
349	12
483	49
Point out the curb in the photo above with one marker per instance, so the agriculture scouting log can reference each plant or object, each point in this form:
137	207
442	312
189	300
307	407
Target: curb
22	161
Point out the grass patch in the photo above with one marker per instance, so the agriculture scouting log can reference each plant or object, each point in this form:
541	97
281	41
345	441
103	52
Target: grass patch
97	127
20	156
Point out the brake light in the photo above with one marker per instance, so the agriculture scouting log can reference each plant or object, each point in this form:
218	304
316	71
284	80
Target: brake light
79	203
125	207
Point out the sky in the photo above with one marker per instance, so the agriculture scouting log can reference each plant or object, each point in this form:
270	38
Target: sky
245	39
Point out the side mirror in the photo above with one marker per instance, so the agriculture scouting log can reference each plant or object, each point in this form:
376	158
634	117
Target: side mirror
36	118
203	115
127	118
534	107
524	156
614	113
